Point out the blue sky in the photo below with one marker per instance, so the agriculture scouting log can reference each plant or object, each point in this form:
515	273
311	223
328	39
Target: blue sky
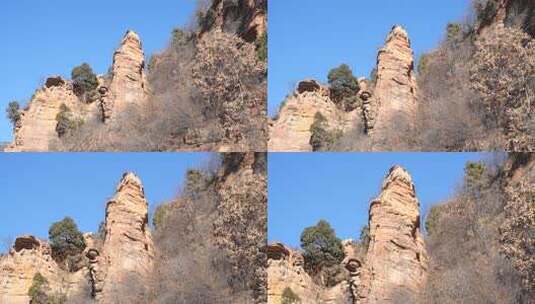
308	38
42	38
307	187
38	189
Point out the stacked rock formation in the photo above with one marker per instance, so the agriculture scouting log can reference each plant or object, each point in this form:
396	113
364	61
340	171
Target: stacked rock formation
126	86
127	254
393	268
390	104
396	261
395	89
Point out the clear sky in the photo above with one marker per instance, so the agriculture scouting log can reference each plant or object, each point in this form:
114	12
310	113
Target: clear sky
42	38
37	189
308	38
338	187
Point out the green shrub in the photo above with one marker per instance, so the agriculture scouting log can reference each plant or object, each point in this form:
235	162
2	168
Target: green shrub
160	213
180	37
262	47
205	19
453	31
432	218
473	177
37	291
65	121
289	297
486	10
84	80
344	87
13	112
321	138
321	247
66	241
365	236
423	63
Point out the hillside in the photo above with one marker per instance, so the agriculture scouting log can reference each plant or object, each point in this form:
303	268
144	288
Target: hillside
475	248
195	251
478	82
205	91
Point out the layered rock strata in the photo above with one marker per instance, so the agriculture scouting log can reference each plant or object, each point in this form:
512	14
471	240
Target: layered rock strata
396	261
126	258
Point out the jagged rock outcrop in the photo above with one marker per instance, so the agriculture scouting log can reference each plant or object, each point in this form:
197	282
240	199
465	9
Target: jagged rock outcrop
126	258
291	130
125	86
37	125
27	257
396	261
118	267
387	103
393	268
128	83
395	89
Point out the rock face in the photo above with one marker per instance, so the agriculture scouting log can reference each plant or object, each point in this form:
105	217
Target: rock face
396	261
125	86
395	89
127	254
128	84
118	267
390	103
291	130
392	270
37	126
29	256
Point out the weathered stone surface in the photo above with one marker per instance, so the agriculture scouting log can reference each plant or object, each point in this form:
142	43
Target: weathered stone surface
291	131
29	256
396	89
396	261
128	84
288	272
127	254
394	265
37	126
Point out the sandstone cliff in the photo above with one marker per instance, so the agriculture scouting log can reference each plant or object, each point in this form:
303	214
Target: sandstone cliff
123	260
29	256
392	96
126	85
290	132
127	255
396	261
392	269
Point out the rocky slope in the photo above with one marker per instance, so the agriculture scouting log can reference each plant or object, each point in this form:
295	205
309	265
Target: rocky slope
393	95
125	256
393	268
